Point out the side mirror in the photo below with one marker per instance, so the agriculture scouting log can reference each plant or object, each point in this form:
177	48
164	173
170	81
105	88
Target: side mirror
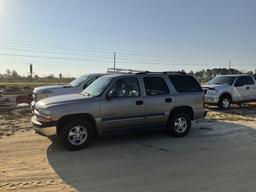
111	94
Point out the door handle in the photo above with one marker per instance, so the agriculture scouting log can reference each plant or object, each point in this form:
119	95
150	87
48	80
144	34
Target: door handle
168	100
247	88
139	102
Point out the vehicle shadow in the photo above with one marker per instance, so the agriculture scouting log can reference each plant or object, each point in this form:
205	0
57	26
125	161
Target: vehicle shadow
245	110
154	161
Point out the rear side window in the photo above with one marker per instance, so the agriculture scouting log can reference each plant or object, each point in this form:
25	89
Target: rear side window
241	81
185	84
244	80
249	80
155	86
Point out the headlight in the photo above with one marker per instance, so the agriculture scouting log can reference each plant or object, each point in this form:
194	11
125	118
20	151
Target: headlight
43	94
213	91
43	115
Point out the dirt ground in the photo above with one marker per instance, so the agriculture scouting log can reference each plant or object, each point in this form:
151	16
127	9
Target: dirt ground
218	155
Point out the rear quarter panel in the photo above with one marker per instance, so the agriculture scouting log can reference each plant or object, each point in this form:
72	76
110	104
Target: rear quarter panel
193	100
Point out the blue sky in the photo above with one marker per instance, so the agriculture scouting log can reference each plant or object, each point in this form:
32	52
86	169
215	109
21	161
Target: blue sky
76	37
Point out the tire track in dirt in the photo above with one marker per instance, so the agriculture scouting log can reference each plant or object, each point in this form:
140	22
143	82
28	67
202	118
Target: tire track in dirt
24	165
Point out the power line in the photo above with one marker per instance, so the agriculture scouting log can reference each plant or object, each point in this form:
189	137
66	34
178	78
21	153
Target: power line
106	61
87	29
48	57
134	53
106	33
122	56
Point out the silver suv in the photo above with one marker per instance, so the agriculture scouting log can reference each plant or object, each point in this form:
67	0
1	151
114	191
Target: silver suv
226	89
120	102
75	86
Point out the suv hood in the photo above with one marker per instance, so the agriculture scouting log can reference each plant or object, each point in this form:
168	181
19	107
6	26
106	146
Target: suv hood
48	88
215	86
62	99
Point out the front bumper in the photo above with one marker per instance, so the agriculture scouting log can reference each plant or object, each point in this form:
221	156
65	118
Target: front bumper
47	129
211	99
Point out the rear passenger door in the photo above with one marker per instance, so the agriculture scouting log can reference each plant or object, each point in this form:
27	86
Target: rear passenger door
251	87
158	100
254	89
244	87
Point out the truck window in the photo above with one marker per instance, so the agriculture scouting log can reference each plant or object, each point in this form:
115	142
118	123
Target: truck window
241	81
249	80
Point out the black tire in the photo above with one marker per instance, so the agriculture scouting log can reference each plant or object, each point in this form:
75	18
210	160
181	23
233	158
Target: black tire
77	134
224	102
172	127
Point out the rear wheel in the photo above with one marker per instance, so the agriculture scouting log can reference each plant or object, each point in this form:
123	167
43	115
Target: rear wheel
179	124
224	102
77	134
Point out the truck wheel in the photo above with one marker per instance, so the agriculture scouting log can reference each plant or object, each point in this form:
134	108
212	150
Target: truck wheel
224	102
77	134
179	124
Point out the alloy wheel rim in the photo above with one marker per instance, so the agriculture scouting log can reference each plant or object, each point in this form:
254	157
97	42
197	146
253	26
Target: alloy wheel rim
77	135
180	125
225	103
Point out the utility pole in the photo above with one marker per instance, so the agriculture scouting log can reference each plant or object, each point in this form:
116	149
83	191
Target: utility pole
114	61
30	71
229	66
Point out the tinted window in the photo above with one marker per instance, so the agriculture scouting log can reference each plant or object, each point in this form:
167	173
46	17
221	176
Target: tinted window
127	87
185	84
241	81
155	86
249	80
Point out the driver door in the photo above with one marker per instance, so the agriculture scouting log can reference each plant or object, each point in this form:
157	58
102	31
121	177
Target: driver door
124	107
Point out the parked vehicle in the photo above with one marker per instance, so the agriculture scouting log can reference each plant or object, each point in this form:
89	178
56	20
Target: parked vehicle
119	102
226	89
75	86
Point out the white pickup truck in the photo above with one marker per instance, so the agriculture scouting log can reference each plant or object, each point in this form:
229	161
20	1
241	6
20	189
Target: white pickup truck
226	89
75	86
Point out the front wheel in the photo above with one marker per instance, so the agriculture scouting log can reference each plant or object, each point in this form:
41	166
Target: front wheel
77	134
224	102
179	125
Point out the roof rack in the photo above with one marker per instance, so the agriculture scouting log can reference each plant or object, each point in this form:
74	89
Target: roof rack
123	71
138	72
180	72
164	72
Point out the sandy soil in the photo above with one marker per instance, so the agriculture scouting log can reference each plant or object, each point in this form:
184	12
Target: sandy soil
23	157
218	155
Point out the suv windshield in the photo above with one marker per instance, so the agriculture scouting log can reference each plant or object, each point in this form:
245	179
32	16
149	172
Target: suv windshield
78	81
222	80
97	87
